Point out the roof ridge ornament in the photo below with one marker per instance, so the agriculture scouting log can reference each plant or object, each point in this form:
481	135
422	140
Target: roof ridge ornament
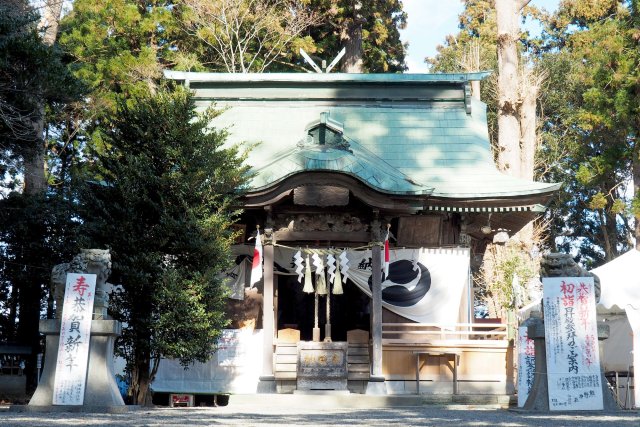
325	132
325	69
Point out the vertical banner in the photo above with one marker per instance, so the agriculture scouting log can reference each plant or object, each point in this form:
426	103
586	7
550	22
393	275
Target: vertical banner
573	360
526	365
73	349
633	314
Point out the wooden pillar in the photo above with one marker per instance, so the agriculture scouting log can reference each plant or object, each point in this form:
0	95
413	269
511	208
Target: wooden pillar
376	383
267	380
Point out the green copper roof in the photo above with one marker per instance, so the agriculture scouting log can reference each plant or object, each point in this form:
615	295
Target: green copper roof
324	148
406	133
325	78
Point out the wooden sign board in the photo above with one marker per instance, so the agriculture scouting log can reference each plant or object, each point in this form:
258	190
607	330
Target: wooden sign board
419	231
321	195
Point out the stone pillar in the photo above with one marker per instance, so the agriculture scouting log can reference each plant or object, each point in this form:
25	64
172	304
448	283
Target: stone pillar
376	383
101	391
538	399
267	380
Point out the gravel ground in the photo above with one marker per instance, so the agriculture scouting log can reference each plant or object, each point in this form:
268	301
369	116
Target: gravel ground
457	416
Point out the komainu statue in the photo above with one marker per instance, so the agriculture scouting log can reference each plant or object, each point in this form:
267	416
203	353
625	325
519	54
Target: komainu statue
563	265
92	261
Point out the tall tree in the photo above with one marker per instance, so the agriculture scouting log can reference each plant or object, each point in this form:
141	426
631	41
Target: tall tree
32	76
36	228
164	205
35	179
473	48
490	38
507	20
592	109
119	49
369	30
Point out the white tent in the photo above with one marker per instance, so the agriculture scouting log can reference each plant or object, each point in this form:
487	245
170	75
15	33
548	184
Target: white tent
620	289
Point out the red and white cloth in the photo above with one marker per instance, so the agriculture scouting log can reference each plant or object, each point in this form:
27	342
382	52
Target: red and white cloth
387	257
256	265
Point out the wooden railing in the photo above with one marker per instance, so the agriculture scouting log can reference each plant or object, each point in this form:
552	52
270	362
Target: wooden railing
415	333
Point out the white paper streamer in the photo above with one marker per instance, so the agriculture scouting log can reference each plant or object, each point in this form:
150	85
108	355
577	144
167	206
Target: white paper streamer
344	266
298	261
331	267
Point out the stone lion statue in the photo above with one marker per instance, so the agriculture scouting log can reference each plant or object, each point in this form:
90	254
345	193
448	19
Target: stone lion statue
563	265
90	261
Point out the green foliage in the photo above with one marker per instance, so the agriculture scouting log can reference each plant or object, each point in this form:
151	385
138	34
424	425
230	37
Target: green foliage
591	108
504	289
635	205
32	74
119	47
598	201
382	49
37	232
164	206
179	299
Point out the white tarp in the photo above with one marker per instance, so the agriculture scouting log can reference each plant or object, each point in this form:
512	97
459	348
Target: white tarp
571	337
75	334
633	314
620	281
234	368
424	285
620	286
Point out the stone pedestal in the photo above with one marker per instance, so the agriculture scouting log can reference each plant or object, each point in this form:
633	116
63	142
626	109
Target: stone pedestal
267	385
538	399
322	366
376	386
101	391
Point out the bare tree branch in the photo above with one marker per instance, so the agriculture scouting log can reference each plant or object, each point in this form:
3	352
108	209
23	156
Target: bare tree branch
247	35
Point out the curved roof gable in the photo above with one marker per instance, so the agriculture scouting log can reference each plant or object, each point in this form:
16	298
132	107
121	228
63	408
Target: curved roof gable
325	148
407	133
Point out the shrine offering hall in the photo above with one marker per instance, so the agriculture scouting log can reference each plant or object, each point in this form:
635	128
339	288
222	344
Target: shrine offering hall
375	196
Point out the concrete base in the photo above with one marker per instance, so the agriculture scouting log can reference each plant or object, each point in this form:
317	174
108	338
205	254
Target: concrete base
101	389
376	386
243	402
267	385
323	392
98	409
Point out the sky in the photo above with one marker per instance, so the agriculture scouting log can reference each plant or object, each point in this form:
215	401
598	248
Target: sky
430	21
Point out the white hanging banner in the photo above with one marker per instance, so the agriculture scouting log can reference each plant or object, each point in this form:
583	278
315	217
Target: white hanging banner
526	365
571	334
75	333
423	285
426	285
633	314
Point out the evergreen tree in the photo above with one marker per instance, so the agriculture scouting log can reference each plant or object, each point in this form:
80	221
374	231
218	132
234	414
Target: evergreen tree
119	49
591	52
32	74
36	225
369	30
164	205
26	260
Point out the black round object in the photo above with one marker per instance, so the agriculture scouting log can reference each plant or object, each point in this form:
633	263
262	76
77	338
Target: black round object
402	272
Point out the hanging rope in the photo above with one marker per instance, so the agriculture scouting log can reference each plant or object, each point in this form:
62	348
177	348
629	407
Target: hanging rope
328	251
308	285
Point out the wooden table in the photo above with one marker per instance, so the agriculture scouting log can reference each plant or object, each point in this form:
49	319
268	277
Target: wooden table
437	353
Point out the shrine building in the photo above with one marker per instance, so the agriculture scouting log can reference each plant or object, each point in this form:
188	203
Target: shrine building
343	164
